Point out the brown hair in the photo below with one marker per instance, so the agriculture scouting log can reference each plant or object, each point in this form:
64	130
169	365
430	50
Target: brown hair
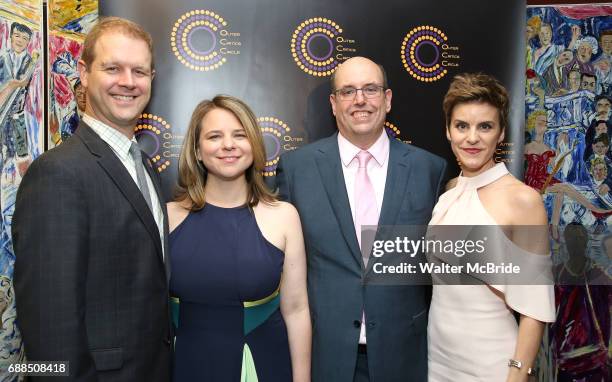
477	87
193	174
109	25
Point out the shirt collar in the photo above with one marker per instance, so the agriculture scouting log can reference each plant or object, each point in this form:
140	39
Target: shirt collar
379	150
118	142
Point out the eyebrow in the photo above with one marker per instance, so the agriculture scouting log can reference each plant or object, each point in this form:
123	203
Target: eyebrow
480	123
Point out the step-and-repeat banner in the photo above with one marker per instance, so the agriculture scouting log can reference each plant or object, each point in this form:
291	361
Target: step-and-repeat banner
278	56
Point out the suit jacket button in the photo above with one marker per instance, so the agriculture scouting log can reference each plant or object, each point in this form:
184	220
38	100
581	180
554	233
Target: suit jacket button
357	324
168	341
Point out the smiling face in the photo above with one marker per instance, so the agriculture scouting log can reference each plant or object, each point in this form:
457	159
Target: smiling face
19	40
360	120
600	171
599	148
118	81
545	35
224	147
474	133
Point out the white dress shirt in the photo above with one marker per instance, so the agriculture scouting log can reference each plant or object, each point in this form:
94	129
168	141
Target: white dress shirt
120	145
377	172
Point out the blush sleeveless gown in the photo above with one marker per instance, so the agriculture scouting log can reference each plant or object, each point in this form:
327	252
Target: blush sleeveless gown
472	331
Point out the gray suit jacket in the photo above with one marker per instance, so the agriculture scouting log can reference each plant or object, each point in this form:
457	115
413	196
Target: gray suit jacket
311	179
90	283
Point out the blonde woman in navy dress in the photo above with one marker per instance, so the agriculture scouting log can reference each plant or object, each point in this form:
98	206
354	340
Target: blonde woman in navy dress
472	332
237	257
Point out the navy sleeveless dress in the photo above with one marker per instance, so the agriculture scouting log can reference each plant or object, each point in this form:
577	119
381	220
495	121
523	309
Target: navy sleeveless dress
226	276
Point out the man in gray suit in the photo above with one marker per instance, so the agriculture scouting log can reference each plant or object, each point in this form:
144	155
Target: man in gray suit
91	269
357	177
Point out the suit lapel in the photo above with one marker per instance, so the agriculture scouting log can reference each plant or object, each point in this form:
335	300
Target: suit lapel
154	175
395	187
332	177
121	177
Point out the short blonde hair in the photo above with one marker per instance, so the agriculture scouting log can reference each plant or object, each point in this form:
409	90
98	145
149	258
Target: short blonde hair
110	25
535	22
193	174
531	120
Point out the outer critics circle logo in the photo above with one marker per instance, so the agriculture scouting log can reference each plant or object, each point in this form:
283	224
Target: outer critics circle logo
151	132
394	132
313	44
195	40
421	53
277	140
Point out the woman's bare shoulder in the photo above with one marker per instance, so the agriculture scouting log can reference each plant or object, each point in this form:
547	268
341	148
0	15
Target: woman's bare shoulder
177	212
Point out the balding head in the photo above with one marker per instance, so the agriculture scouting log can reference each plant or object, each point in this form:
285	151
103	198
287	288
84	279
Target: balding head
357	60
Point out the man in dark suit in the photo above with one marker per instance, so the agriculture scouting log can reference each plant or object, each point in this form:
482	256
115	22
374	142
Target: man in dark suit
91	270
361	177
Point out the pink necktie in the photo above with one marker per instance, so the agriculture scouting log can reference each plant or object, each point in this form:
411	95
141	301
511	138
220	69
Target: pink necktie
366	211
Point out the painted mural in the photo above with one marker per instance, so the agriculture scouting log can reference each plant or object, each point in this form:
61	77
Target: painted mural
21	132
69	22
568	159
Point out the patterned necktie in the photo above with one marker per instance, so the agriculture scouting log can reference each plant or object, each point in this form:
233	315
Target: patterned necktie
366	210
140	174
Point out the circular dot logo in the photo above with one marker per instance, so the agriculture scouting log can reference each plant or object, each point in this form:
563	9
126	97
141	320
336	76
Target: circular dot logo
421	53
394	132
313	45
150	132
276	140
195	40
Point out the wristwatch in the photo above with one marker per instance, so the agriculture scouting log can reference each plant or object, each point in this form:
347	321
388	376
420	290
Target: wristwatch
519	365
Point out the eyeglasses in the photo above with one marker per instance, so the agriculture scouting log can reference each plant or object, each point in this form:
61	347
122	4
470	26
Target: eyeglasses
349	93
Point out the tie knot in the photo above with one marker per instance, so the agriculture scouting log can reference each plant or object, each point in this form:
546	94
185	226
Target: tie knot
363	157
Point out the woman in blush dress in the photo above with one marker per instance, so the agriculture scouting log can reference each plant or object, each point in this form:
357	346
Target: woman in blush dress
473	334
237	257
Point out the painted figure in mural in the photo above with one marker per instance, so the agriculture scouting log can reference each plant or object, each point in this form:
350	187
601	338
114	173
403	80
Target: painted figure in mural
586	47
581	333
531	31
539	157
537	153
586	185
603	63
100	239
596	129
599	150
16	70
546	53
68	97
476	108
555	76
361	332
588	82
244	239
573	80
